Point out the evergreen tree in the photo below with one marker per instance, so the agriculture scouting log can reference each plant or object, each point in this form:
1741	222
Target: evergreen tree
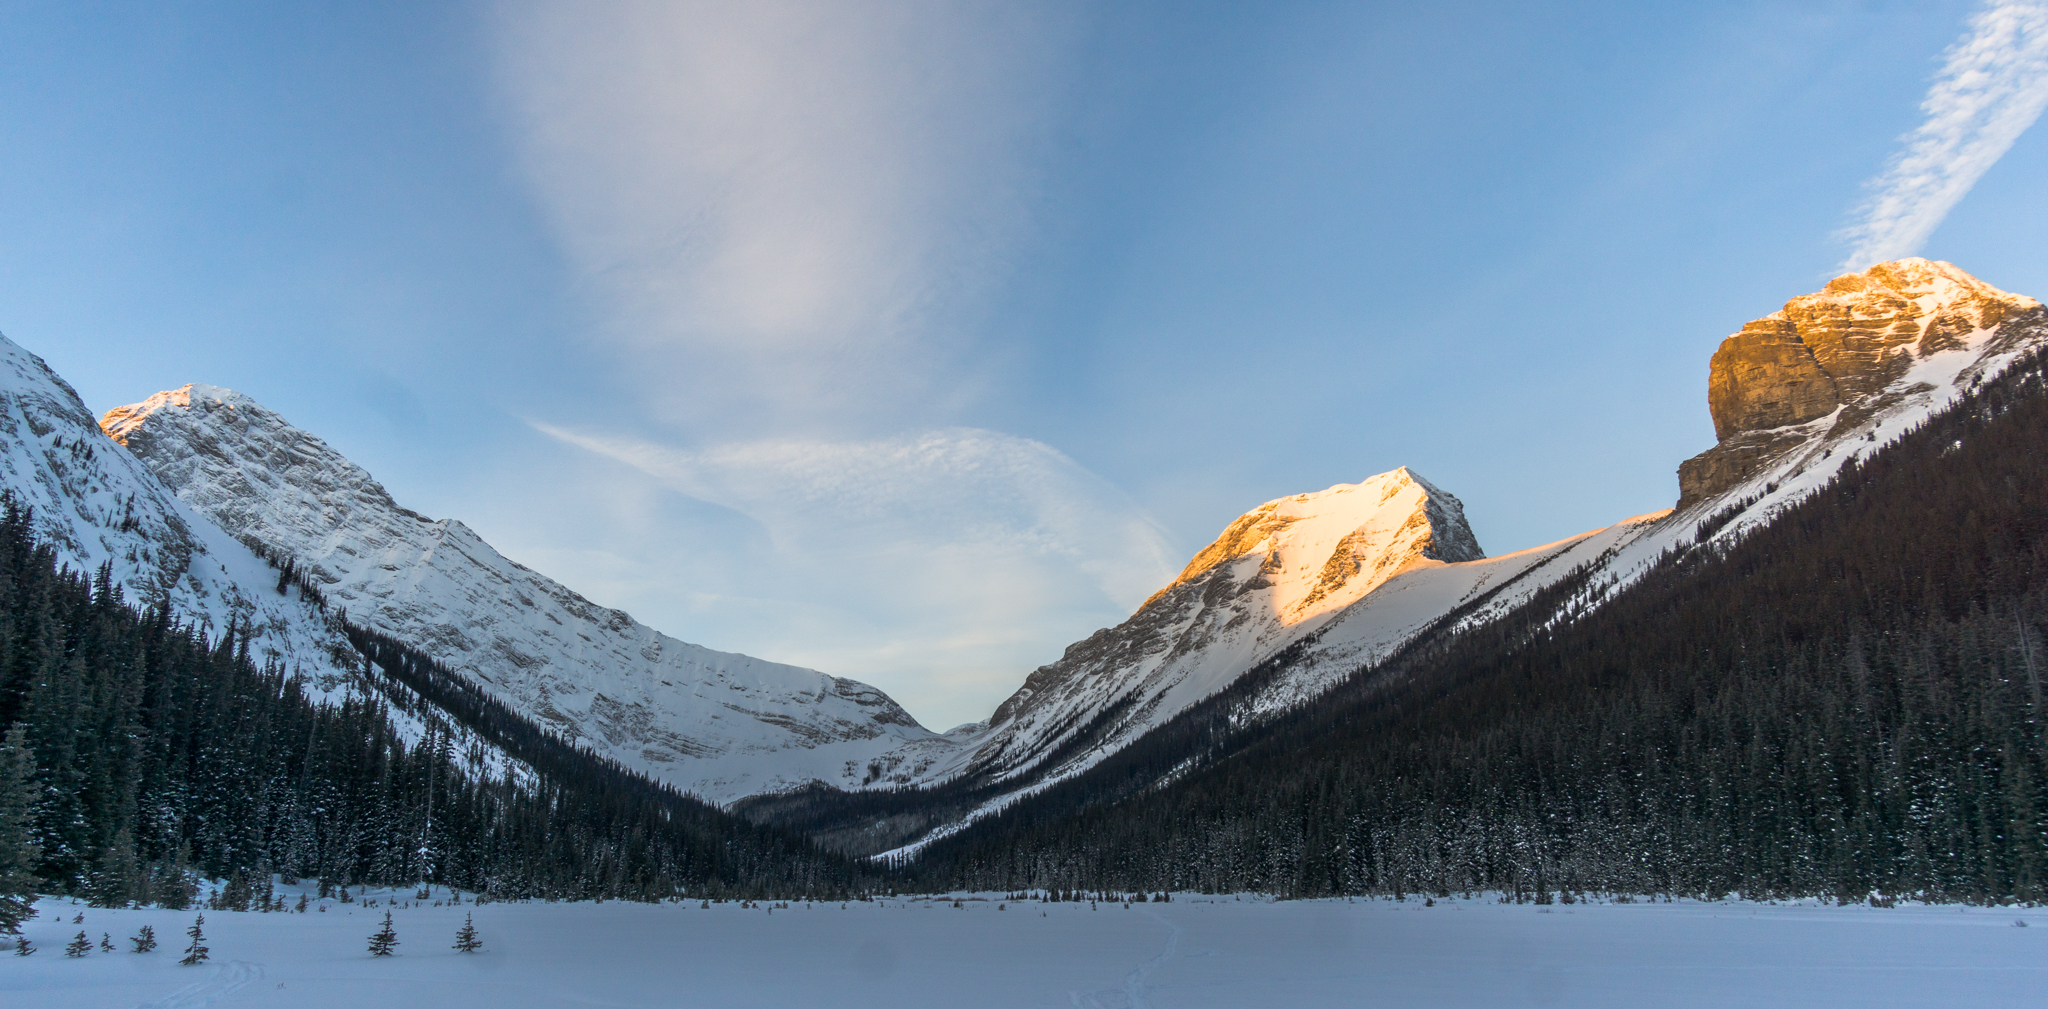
384	942
79	946
18	850
106	942
21	946
196	953
465	939
144	940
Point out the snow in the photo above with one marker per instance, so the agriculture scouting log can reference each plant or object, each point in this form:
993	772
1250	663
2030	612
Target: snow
716	724
96	504
1194	952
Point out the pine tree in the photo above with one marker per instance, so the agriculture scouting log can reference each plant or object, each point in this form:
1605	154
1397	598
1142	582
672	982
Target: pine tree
466	940
385	941
106	942
79	946
18	850
144	940
195	953
22	948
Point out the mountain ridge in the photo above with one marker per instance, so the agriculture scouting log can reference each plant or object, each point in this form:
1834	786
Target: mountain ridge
717	724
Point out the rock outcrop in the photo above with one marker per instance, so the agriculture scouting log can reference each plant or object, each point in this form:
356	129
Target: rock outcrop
1831	360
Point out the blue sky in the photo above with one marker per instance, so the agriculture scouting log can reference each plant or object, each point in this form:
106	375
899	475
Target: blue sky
915	341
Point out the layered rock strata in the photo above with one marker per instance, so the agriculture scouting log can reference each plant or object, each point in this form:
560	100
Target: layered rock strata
1835	359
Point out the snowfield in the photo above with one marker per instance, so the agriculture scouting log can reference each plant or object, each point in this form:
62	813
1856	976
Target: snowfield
1196	951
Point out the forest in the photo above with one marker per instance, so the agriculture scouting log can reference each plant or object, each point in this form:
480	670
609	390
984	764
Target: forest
1844	703
139	758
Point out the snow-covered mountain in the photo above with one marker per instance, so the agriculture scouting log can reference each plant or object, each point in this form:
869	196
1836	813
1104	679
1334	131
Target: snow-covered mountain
97	505
1346	577
718	724
1309	590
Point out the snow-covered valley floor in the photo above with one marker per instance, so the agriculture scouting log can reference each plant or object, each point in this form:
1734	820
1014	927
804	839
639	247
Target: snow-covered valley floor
1196	951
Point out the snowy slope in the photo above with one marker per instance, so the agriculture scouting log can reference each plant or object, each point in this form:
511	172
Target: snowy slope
717	724
1853	366
97	505
1843	371
1275	576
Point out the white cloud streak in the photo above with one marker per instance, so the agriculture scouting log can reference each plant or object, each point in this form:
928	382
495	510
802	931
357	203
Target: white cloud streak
789	211
1992	87
941	566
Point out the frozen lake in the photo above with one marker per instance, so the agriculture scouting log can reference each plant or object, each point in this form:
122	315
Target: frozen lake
1196	951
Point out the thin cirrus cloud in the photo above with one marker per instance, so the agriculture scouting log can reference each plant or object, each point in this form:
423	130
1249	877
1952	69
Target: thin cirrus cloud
940	565
790	219
1991	88
786	213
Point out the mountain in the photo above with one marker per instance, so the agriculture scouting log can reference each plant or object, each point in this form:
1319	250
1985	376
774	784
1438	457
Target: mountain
717	724
1305	594
96	505
1870	352
1822	675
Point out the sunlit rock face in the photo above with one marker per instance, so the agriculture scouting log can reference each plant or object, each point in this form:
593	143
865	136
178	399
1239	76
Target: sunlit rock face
718	724
1276	574
1828	362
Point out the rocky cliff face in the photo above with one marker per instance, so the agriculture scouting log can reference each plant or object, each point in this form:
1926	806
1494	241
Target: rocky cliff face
1827	363
95	505
715	723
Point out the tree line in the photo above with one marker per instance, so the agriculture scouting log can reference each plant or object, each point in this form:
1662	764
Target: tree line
138	756
1845	703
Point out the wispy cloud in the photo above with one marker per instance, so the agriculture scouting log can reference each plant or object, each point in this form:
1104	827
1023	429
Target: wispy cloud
941	566
1992	86
788	210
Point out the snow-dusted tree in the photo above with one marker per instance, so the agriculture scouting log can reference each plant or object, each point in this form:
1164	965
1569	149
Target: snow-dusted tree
144	940
21	946
18	851
79	946
465	939
384	942
196	953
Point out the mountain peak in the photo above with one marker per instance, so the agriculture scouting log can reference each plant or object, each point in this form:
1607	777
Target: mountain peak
1312	545
1840	355
718	724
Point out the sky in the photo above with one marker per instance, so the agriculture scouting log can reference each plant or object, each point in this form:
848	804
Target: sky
914	341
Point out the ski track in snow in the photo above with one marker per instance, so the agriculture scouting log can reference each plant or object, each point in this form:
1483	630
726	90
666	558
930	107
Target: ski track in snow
1132	995
227	979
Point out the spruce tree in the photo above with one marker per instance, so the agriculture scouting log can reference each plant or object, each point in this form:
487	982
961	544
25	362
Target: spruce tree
22	948
106	942
144	940
79	946
465	939
195	953
18	850
384	941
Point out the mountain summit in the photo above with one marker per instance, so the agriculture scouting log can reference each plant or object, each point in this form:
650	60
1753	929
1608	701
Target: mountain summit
718	724
1829	362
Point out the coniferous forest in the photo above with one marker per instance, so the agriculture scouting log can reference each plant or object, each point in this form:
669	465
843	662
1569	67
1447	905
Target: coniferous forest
139	757
1845	703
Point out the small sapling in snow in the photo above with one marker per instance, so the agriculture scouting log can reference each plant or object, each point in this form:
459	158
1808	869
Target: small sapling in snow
144	940
80	946
196	953
465	939
384	942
